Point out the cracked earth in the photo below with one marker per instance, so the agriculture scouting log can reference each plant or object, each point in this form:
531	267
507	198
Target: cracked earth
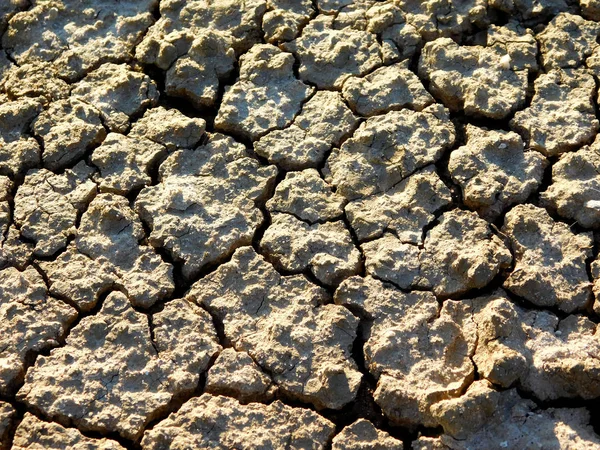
295	224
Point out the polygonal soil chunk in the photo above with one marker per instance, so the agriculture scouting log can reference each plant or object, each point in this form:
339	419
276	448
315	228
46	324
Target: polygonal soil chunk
461	253
68	128
14	252
18	151
515	41
325	249
561	116
386	149
442	18
363	435
385	89
530	9
397	36
567	41
494	171
306	196
7	416
284	325
94	380
285	19
329	56
486	418
458	254
51	31
388	258
475	79
196	76
575	188
118	93
205	204
550	260
47	206
404	209
265	97
549	357
372	16
31	321
221	422
500	356
236	375
170	128
35	434
81	279
323	122
197	41
419	353
36	80
110	233
561	365
125	162
181	22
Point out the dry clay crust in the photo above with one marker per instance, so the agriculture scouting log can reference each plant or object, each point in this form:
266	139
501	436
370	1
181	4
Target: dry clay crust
386	149
93	381
495	171
459	254
109	252
285	324
550	260
410	334
111	204
561	116
197	42
32	321
501	419
575	188
266	96
362	434
481	81
18	151
47	206
35	434
205	204
77	36
235	374
221	422
321	124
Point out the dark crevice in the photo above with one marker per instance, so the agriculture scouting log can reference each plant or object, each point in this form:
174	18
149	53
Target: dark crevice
362	267
186	105
32	355
592	405
20	410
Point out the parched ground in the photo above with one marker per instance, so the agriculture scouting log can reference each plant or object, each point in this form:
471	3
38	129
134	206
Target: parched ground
296	224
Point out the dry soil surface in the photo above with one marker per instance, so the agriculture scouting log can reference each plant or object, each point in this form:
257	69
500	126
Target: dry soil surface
299	224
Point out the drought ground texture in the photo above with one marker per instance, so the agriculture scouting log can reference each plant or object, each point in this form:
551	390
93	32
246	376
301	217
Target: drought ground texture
295	224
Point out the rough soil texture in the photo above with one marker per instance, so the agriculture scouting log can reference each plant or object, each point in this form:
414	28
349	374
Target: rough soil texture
299	224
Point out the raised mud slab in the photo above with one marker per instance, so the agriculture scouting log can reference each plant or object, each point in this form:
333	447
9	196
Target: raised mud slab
299	224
